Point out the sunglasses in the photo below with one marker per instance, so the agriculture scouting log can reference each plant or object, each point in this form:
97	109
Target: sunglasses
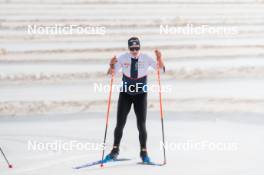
134	48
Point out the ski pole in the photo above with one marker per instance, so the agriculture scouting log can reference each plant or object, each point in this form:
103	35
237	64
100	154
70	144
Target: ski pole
9	165
107	116
161	113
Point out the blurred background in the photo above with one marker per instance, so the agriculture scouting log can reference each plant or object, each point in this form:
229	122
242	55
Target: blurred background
41	73
216	84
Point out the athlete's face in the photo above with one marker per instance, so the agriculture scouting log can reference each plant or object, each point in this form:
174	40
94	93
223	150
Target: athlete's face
134	50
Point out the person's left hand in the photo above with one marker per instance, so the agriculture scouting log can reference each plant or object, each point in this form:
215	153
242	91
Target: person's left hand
159	58
158	54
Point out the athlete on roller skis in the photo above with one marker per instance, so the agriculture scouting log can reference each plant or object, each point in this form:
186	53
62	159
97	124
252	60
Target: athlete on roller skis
134	66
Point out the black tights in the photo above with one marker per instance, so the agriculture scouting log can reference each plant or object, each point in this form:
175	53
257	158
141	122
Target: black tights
140	107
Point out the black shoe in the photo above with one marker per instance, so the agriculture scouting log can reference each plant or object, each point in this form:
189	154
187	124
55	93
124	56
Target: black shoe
144	156
114	153
143	153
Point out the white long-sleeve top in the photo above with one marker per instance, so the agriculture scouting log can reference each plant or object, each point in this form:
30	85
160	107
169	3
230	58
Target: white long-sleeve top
134	72
144	62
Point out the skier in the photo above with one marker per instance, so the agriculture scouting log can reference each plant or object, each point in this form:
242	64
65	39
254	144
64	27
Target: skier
134	65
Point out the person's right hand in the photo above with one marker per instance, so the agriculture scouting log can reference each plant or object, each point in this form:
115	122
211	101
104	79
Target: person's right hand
113	60
111	69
